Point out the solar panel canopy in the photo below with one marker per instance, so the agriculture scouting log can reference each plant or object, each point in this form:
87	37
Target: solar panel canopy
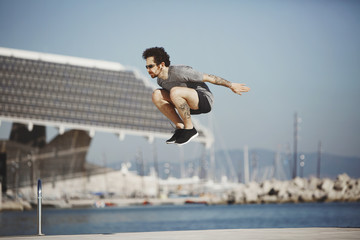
68	92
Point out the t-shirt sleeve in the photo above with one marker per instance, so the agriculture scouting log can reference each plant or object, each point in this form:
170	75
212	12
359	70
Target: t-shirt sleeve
191	75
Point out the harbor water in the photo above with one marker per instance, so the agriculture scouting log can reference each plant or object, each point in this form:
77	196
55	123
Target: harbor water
184	217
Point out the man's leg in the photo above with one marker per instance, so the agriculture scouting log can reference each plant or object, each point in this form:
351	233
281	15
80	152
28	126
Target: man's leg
182	99
185	99
161	99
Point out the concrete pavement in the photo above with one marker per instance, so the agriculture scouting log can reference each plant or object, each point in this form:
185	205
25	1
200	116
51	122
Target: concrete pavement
223	234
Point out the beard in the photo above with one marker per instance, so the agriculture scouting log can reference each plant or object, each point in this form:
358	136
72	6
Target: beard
153	75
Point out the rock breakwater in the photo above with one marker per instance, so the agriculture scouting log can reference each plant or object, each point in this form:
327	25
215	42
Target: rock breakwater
342	189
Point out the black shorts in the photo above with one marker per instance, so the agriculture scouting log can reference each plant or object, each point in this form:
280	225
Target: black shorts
204	105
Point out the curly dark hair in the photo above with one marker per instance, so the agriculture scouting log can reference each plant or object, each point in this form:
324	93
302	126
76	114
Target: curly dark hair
159	55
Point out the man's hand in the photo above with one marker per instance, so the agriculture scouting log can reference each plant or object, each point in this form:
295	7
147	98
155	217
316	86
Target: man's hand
239	88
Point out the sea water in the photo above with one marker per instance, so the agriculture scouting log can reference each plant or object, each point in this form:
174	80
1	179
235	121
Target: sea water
177	218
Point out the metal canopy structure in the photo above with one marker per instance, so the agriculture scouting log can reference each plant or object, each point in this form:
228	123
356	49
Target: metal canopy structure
76	93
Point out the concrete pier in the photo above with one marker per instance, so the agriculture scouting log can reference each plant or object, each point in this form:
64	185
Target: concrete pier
228	234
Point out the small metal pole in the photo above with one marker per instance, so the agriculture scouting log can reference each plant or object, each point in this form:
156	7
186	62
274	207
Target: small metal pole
39	202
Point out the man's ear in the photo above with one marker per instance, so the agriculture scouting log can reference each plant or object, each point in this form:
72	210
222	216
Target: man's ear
162	64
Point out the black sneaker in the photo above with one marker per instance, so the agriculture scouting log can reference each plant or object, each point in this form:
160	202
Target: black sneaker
186	136
175	136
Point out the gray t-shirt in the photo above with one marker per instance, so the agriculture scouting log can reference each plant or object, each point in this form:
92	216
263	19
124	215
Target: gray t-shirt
185	76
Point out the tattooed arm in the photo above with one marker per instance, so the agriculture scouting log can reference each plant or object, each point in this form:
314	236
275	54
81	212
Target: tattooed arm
237	88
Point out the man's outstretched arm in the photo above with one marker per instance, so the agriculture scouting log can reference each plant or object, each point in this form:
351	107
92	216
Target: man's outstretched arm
237	88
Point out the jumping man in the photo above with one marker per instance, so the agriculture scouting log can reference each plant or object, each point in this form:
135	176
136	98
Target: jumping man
183	93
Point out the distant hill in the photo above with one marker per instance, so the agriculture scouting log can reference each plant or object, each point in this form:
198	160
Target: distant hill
261	165
331	165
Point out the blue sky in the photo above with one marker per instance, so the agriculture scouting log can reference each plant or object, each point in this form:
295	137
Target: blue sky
297	56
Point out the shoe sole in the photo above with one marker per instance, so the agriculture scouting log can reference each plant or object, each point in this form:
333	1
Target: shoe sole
197	134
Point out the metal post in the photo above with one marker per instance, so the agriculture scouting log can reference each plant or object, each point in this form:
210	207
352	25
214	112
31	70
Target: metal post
39	202
302	165
318	161
246	164
295	145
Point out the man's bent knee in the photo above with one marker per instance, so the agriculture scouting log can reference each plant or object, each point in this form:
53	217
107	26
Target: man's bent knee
176	92
160	96
180	94
156	96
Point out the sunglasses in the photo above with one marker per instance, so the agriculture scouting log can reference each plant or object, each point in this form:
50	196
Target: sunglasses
150	66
